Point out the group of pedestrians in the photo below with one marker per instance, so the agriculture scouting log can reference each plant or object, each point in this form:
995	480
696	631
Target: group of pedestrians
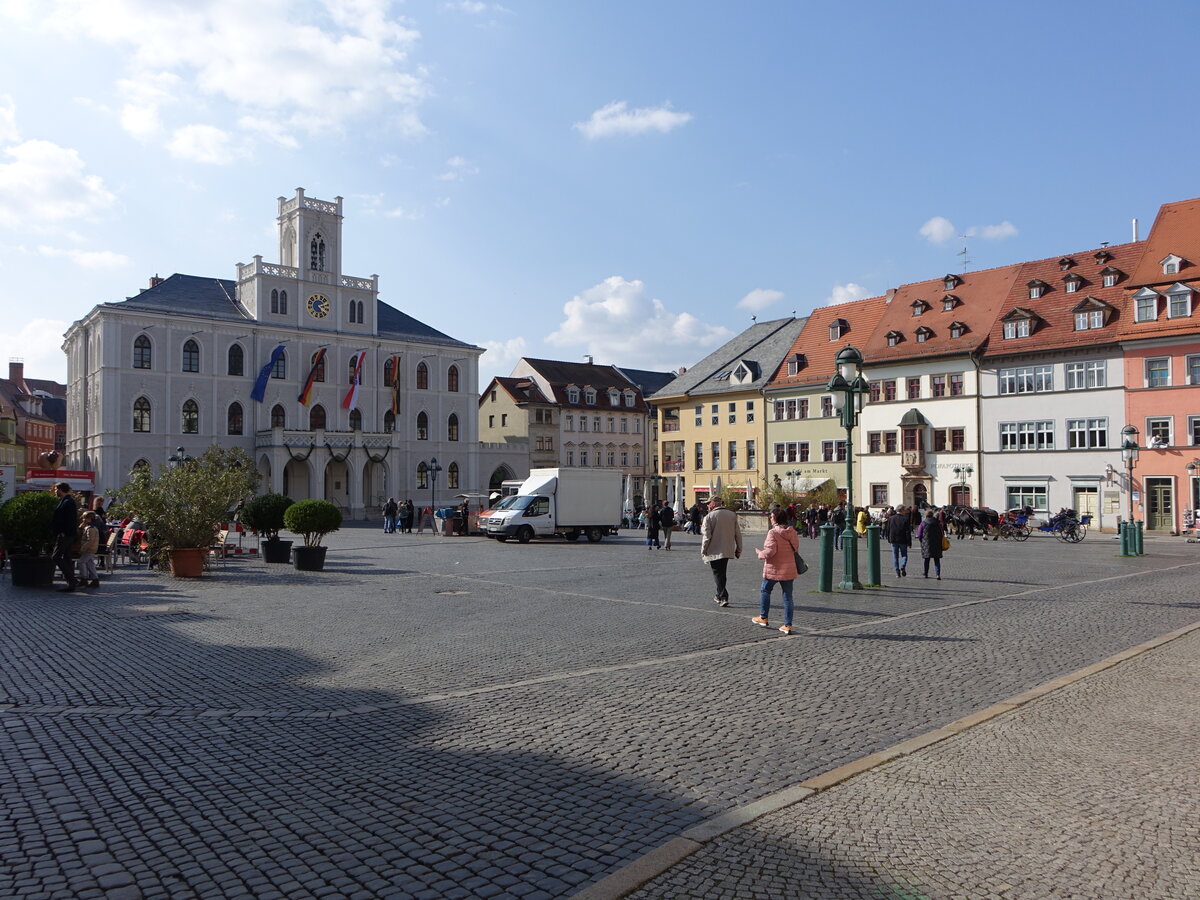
90	531
659	518
398	517
930	532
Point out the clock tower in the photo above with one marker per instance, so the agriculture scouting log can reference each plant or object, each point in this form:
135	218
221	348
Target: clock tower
307	288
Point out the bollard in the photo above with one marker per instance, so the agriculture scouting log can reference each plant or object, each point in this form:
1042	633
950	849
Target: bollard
1138	548
1123	534
874	575
826	574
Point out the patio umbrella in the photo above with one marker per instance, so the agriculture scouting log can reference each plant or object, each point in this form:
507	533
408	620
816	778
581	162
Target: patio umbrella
749	491
717	487
680	501
627	503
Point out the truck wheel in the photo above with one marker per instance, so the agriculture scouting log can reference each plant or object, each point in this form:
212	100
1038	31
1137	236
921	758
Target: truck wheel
571	535
502	538
594	535
524	534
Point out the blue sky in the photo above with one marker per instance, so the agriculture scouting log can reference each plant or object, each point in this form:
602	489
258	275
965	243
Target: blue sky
631	180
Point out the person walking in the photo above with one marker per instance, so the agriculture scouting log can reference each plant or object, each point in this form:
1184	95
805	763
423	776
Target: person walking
390	511
666	518
65	528
89	543
720	541
406	516
899	534
694	517
653	524
930	534
861	521
779	568
837	518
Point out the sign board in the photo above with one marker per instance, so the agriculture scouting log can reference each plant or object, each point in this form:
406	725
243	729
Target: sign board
78	479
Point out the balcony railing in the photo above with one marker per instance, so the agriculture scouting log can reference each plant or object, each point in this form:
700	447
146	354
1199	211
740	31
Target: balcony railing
670	426
673	465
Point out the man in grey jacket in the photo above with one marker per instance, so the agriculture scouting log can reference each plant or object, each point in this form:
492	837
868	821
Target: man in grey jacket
720	541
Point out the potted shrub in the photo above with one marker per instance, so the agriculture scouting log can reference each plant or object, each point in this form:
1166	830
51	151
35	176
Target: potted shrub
264	514
183	506
312	520
25	524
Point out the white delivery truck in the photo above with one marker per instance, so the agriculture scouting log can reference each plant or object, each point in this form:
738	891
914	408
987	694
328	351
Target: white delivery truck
569	502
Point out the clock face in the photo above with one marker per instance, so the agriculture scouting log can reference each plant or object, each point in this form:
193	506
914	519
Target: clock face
318	306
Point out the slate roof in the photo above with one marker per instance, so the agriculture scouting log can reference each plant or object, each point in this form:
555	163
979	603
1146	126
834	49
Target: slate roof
560	375
819	351
522	390
1054	327
213	298
762	346
646	381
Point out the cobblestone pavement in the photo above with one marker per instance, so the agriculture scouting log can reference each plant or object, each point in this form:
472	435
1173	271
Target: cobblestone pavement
1090	792
453	717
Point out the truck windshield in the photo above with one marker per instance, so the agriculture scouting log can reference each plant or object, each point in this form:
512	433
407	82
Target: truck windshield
503	503
519	502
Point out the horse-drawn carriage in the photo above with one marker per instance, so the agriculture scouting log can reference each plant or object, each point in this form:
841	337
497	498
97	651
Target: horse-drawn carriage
1067	525
1014	525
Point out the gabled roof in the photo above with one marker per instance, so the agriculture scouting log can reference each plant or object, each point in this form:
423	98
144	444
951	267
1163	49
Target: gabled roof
1055	310
214	298
981	295
819	351
558	375
764	343
522	390
1176	230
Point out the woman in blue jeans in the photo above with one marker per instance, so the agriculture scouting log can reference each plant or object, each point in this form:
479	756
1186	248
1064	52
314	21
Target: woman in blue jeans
779	568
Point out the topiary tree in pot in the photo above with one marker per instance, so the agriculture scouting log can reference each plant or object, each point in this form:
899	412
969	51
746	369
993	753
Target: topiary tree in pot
312	520
28	535
264	514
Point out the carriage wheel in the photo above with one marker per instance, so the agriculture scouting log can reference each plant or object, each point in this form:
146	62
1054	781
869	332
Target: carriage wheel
1021	534
1073	535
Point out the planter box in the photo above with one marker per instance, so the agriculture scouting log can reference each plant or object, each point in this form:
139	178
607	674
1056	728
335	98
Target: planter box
309	559
276	551
187	562
32	571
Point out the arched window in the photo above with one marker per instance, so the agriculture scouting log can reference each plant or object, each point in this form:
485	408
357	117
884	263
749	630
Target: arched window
141	464
141	414
352	308
278	417
422	427
233	419
237	360
390	370
280	370
275	301
283	303
361	318
452	379
191	417
316	417
191	356
320	364
389	422
452	427
316	253
452	476
422	377
141	352
355	420
350	367
422	475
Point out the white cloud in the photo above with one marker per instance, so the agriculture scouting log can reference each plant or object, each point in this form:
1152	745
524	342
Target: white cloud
89	259
204	144
473	7
616	119
1005	229
8	120
458	168
937	230
760	298
45	184
499	358
39	343
269	130
846	293
304	65
616	321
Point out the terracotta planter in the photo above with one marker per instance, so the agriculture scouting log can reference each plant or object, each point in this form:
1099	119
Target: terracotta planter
276	551
309	559
187	562
32	571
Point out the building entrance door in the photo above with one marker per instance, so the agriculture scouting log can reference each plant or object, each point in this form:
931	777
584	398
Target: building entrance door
1087	502
1160	504
920	496
960	495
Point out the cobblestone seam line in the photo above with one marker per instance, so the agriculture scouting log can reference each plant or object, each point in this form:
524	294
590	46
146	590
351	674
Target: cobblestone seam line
626	880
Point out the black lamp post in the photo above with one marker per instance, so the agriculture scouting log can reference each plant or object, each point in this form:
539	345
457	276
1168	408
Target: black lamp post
963	473
178	458
1129	453
433	468
849	389
792	475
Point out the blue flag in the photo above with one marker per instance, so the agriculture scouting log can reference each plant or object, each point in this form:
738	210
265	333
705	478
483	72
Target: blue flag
260	386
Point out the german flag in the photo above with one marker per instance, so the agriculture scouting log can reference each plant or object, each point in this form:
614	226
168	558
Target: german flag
306	394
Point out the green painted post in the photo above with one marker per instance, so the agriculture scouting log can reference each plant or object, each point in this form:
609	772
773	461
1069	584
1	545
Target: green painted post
826	573
1123	537
874	576
1139	547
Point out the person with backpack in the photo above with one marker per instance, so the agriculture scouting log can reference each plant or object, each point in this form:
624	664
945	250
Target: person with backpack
666	518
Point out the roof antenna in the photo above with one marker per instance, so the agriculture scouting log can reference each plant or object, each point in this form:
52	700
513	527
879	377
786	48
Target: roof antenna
964	254
754	318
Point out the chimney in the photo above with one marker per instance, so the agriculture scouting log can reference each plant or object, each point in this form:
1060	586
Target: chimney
589	358
1135	236
16	372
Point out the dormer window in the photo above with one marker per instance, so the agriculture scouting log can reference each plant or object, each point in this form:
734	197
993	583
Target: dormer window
919	306
1102	257
629	398
744	371
951	282
589	396
572	394
957	329
1091	313
923	334
796	363
894	338
1110	276
1170	264
837	329
1179	301
1065	263
614	397
1145	305
1071	283
949	302
1036	289
1018	324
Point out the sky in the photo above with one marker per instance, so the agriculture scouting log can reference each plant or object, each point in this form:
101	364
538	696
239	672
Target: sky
634	180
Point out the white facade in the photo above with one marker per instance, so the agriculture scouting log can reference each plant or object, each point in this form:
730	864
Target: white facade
172	351
1052	432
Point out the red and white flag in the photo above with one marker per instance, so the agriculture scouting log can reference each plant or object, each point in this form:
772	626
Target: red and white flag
350	401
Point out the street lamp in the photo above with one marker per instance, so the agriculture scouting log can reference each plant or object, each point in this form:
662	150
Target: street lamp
433	468
792	475
963	474
849	389
178	458
1129	453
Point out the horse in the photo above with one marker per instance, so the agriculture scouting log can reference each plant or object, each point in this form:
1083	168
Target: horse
967	520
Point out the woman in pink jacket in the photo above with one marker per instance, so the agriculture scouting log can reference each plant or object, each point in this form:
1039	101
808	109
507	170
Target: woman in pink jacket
779	567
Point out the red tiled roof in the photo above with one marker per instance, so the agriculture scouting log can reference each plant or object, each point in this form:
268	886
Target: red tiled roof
1176	230
981	296
819	351
1054	327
